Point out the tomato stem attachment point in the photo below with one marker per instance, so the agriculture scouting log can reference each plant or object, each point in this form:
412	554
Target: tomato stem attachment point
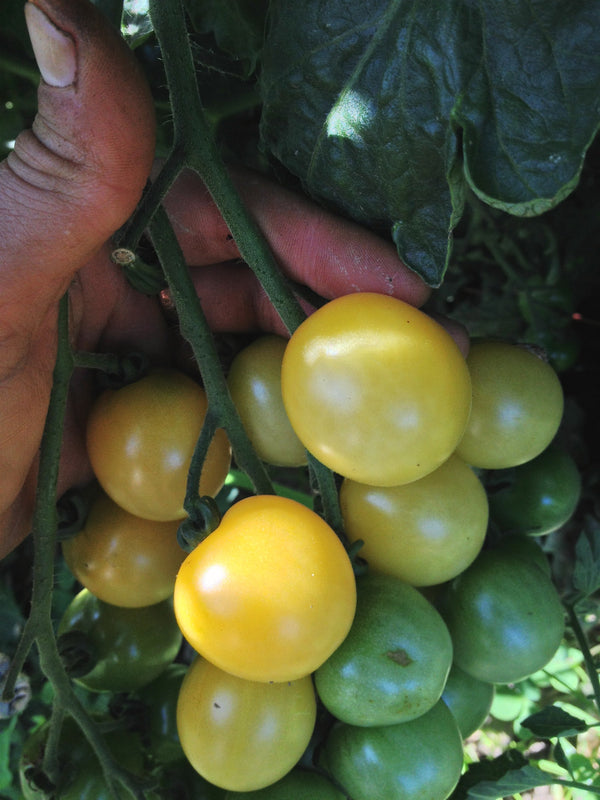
203	520
77	653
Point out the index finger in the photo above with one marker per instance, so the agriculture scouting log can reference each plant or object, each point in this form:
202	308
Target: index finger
330	254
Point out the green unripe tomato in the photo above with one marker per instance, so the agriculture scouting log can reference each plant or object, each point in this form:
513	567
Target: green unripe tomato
132	646
517	406
254	381
527	549
417	760
469	700
504	615
160	718
299	784
537	497
393	664
81	776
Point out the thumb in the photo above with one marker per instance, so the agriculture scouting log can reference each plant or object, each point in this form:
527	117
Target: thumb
76	176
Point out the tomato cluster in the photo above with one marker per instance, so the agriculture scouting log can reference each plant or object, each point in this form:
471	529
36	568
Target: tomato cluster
401	658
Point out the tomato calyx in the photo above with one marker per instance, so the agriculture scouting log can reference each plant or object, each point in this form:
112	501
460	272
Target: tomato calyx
77	652
359	565
72	509
204	517
127	368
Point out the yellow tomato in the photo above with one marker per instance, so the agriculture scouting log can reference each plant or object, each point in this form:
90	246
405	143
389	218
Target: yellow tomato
242	735
424	532
140	441
123	559
375	389
254	381
268	595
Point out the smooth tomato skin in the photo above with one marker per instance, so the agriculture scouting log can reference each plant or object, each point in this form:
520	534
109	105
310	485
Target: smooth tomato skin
299	784
254	381
243	735
535	498
123	559
417	760
140	441
517	406
269	594
504	615
393	664
468	699
375	389
425	532
133	645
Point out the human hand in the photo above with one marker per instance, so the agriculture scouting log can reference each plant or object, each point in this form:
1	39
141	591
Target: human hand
69	184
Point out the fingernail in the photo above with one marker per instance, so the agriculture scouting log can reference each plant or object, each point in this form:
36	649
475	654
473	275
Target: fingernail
54	50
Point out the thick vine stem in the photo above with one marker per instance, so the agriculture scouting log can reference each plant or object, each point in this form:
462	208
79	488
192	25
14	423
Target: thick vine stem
38	628
195	148
194	328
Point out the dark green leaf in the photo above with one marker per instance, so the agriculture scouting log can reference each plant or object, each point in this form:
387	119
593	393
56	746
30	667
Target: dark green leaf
586	571
511	783
554	721
385	109
488	770
514	781
561	757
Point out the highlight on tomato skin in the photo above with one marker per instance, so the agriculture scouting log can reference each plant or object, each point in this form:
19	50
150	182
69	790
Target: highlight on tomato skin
243	735
140	440
375	389
123	559
517	408
425	532
269	594
421	758
254	381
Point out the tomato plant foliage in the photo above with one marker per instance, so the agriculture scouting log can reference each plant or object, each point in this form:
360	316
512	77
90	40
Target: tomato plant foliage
388	110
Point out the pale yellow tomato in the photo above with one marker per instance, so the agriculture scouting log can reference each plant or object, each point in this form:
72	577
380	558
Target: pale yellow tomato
123	559
254	381
375	389
140	441
243	735
424	532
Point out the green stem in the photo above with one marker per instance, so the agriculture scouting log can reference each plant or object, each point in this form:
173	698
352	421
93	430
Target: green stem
583	787
329	495
51	750
194	328
198	458
585	650
194	140
130	236
39	627
107	362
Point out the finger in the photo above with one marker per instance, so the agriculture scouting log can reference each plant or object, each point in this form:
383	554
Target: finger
330	254
70	182
233	301
75	177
